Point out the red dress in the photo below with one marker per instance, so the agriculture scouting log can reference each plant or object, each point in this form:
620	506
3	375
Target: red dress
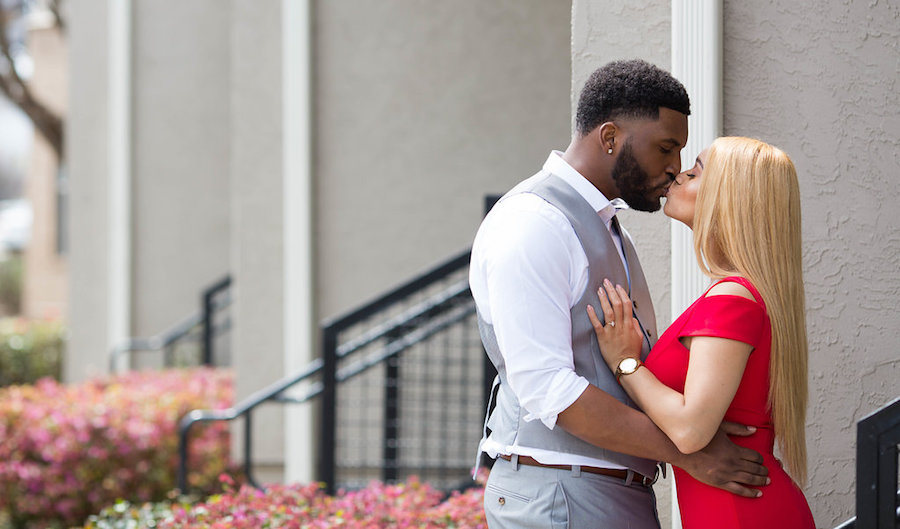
782	504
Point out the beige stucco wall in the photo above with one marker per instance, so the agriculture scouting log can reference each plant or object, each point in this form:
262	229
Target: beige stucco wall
257	238
820	80
423	108
88	155
181	187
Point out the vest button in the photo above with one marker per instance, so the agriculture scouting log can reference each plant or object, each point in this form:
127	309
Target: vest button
501	500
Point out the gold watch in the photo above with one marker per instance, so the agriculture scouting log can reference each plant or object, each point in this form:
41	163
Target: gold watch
627	366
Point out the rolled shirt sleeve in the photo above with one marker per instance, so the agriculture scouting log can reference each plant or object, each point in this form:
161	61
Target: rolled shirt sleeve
528	269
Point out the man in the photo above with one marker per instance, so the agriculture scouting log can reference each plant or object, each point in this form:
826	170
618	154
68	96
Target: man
571	448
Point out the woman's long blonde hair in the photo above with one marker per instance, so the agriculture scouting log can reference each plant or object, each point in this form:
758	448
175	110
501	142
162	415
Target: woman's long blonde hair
747	222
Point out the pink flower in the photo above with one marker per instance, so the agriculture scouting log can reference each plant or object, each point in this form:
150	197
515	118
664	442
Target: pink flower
69	451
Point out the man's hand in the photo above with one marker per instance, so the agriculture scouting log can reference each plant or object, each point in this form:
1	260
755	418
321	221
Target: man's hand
726	465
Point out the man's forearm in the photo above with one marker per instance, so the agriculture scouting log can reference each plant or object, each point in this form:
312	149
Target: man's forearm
600	419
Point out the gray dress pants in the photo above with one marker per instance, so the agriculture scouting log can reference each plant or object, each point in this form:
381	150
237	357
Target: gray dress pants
520	496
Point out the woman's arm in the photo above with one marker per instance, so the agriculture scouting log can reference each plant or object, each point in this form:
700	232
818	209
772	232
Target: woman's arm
715	369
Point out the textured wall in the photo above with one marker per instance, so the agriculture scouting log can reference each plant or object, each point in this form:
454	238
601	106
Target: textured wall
607	31
820	80
88	155
179	167
257	237
423	108
180	162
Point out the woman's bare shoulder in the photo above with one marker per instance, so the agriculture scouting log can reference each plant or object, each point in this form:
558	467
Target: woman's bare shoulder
730	288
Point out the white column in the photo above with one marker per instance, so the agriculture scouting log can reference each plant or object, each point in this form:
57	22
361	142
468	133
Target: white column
299	315
696	62
119	197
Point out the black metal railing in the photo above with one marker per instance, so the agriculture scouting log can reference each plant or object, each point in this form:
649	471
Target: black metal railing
400	380
877	494
416	404
198	339
273	393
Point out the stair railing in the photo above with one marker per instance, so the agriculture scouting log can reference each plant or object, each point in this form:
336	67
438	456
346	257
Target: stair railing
213	300
877	497
411	315
386	344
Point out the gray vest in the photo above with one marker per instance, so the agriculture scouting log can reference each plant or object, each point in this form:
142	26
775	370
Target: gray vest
506	421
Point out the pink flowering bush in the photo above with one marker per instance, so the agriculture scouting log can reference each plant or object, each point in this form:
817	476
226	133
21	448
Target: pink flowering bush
68	451
408	505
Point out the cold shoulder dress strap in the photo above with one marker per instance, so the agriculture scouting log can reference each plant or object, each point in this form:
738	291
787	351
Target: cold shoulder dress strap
729	316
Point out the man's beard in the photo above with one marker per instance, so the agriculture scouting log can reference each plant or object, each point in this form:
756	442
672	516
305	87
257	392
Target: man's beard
633	182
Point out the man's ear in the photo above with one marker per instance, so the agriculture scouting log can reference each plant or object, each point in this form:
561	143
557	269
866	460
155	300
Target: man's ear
608	136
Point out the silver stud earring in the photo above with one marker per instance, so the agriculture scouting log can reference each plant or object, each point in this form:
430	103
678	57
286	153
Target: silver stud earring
610	150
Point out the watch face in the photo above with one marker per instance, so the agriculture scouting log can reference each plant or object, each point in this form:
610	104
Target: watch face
628	365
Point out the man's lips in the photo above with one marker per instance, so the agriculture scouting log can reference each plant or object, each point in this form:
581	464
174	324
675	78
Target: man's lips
664	189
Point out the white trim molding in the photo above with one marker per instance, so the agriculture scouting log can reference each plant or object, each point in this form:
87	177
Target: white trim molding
119	47
296	147
696	62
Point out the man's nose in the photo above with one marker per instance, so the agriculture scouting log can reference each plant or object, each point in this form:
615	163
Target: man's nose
674	166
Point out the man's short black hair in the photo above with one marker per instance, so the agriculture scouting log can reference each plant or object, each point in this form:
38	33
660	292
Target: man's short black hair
632	89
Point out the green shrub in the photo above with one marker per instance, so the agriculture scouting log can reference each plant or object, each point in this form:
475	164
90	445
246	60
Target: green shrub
30	350
11	283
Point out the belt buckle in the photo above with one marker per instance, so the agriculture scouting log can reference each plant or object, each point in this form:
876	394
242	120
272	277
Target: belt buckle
647	482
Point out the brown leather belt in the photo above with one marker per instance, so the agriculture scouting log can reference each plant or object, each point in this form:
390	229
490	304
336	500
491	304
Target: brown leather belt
639	479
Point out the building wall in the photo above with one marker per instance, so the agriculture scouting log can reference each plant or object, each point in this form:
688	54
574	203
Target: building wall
820	81
179	116
257	238
45	285
88	155
181	186
422	109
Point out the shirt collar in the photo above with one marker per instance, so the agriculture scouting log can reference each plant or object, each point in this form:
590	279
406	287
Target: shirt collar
556	165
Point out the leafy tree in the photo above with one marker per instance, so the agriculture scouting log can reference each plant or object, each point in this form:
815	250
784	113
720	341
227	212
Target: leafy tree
13	84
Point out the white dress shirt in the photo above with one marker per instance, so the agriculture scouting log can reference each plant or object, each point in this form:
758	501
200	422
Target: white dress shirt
528	270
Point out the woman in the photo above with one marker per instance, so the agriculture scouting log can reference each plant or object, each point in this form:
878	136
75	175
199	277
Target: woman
739	353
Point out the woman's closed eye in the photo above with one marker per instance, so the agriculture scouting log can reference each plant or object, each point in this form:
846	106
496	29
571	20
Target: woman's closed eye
680	181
